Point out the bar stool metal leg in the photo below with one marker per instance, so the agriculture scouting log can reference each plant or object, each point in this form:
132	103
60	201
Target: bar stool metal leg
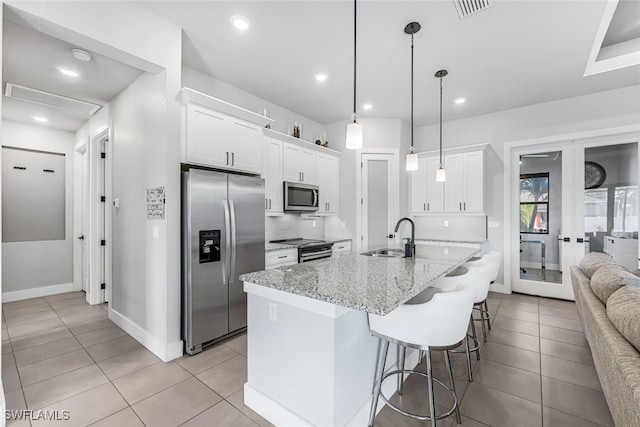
401	354
475	338
382	359
466	350
447	362
432	406
486	307
484	327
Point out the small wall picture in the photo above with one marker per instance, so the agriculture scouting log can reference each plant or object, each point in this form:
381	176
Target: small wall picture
155	203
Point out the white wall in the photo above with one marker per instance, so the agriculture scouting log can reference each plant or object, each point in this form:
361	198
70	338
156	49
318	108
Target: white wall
146	144
40	264
217	88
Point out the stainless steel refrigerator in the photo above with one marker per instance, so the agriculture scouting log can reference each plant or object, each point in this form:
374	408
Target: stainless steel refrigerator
222	238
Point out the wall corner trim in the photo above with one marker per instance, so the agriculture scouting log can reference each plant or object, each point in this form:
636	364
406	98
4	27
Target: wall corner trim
37	292
166	352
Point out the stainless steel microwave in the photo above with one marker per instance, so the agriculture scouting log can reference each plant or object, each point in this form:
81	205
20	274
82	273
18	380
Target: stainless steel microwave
300	197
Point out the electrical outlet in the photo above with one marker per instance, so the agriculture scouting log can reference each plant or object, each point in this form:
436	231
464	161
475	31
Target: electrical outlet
446	223
313	224
273	312
156	232
446	251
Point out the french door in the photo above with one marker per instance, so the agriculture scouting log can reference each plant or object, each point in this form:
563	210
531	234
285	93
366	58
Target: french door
567	199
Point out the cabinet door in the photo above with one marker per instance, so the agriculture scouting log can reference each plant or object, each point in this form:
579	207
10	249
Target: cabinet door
453	197
435	190
418	188
291	163
273	175
473	181
245	147
308	166
327	180
207	137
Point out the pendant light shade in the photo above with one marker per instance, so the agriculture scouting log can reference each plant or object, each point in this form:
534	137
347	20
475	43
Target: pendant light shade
354	135
412	157
354	129
441	175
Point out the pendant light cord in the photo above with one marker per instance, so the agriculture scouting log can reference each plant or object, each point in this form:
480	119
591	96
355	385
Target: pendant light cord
412	93
355	55
440	122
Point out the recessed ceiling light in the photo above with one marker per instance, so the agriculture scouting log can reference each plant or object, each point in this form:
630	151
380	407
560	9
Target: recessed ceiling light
240	22
460	101
81	55
321	77
40	119
367	106
68	72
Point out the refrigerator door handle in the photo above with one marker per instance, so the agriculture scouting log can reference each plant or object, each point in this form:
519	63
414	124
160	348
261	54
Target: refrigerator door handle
232	270
227	249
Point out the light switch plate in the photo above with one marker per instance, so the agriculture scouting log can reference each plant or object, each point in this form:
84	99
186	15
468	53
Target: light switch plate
446	223
494	224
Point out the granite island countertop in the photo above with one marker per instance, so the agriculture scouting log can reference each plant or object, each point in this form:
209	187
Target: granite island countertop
375	285
424	239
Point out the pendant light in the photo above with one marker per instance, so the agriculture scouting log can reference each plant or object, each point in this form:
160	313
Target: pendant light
354	129
412	157
441	175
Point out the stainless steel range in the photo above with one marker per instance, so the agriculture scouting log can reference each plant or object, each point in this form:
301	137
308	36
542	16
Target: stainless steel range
309	250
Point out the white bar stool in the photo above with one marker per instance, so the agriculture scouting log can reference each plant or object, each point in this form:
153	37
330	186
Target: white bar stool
494	260
481	281
441	322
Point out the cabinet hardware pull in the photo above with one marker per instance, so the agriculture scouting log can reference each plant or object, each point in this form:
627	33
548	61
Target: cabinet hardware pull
266	204
227	159
283	256
580	240
299	176
424	206
269	204
460	205
428	207
465	206
302	176
233	159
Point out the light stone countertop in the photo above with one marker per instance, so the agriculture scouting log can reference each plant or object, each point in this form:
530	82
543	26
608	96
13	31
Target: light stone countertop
419	239
270	247
375	285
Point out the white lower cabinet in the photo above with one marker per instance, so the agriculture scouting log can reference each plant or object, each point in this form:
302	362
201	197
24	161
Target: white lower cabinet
341	248
275	259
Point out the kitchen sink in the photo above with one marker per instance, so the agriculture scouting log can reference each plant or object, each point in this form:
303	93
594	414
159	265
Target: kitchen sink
385	253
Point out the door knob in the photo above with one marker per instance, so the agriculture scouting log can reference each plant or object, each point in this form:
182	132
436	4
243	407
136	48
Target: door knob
81	238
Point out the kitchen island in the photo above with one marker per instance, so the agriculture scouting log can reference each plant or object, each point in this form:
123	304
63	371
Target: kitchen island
311	356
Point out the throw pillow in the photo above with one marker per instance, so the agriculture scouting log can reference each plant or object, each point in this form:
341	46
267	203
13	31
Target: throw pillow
622	310
609	278
593	261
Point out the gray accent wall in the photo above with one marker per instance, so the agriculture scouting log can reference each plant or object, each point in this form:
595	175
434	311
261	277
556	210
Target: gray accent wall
47	262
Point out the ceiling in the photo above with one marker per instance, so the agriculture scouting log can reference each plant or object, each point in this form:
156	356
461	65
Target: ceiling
513	54
31	59
625	24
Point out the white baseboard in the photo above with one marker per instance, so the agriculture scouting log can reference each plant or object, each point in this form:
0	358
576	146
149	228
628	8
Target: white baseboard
37	292
166	352
280	415
500	288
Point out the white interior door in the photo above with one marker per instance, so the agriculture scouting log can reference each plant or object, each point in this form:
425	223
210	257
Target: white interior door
85	221
379	199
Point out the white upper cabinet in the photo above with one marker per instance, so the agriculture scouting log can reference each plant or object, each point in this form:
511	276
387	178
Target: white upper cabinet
464	188
327	180
220	134
427	195
272	174
299	164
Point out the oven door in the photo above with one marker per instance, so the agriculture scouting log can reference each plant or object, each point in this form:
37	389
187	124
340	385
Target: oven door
307	255
300	197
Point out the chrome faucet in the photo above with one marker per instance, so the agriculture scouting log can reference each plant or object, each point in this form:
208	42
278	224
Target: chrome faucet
410	246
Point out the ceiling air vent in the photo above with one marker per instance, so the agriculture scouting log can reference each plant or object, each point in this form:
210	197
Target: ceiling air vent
50	99
469	7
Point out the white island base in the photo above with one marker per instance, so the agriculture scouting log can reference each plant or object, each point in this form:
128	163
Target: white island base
311	363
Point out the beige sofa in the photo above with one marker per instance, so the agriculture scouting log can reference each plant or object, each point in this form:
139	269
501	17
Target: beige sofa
608	300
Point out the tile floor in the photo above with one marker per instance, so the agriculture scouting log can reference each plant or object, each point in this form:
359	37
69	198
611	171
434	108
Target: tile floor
60	353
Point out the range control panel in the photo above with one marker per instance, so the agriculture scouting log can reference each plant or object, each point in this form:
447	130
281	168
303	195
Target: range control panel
209	246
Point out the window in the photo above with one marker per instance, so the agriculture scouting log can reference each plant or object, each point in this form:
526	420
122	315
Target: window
534	203
595	210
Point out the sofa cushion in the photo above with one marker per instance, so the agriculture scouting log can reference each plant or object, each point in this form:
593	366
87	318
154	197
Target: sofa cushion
609	278
622	310
593	261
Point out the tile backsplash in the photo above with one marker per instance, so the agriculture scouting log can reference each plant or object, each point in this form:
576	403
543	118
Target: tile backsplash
293	225
459	227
